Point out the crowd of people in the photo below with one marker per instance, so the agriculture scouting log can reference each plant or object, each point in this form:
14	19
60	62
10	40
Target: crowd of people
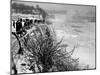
21	25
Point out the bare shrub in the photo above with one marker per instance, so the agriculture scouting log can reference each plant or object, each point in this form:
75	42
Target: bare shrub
46	53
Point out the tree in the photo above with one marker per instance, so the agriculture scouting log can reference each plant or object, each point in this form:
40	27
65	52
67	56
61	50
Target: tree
47	53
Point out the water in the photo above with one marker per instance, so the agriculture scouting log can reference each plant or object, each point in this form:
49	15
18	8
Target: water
81	33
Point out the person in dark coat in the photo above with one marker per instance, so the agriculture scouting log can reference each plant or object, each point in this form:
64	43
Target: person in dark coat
31	21
27	23
14	23
19	27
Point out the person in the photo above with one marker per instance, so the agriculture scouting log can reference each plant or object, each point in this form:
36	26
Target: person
31	21
14	23
19	27
26	24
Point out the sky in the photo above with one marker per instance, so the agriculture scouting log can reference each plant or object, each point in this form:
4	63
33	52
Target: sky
60	7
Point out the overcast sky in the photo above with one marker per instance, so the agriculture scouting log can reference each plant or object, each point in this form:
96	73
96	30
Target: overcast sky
65	7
